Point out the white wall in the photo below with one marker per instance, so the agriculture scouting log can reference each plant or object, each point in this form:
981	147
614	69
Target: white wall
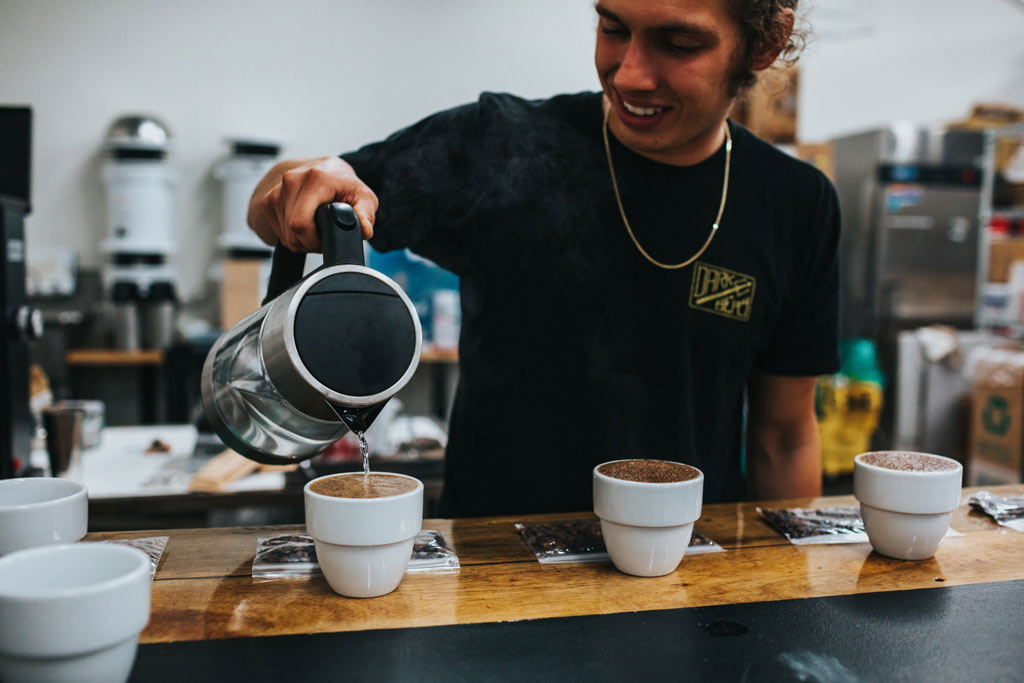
328	75
924	61
324	76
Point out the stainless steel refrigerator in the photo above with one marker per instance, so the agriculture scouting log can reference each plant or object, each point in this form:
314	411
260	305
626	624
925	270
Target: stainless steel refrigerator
909	252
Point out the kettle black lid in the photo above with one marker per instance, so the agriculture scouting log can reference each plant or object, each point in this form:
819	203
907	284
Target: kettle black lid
355	333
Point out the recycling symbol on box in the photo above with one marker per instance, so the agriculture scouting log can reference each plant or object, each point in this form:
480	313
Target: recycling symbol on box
996	416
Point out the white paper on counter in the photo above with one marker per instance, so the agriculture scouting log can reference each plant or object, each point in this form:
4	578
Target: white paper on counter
120	467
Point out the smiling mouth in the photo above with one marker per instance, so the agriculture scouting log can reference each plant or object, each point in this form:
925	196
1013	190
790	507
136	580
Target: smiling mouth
642	111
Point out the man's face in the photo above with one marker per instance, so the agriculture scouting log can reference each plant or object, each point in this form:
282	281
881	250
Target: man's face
665	65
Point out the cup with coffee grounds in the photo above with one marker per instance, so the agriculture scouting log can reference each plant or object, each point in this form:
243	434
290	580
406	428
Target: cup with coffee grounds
906	500
363	527
647	509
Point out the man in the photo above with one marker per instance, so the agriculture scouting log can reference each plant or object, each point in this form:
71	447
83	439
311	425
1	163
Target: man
633	266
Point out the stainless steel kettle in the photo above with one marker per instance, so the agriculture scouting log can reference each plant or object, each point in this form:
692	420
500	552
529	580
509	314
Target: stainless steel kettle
320	357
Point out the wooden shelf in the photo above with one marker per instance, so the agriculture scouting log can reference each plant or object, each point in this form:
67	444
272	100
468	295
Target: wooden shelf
80	357
102	357
439	356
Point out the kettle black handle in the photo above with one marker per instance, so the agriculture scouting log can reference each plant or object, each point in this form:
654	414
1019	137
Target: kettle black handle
340	233
342	239
286	269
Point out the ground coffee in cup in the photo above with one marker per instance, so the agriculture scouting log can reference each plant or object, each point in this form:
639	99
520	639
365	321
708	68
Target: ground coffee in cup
906	461
649	471
358	485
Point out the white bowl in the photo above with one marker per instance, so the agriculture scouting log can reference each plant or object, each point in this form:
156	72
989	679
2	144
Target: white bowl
906	513
72	613
38	511
646	526
363	545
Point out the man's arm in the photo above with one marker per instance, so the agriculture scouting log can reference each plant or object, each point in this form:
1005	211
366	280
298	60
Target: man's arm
783	451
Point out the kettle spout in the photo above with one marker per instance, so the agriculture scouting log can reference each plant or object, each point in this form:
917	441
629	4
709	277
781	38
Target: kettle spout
358	419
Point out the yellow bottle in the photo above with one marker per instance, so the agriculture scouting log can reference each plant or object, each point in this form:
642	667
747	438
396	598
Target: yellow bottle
849	404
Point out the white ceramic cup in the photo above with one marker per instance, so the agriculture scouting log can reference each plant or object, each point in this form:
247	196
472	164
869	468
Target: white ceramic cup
363	545
38	511
906	512
646	526
72	613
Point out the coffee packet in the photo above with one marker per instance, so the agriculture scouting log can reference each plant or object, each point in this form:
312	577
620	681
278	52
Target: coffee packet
153	546
807	526
284	556
580	540
1008	512
294	555
804	526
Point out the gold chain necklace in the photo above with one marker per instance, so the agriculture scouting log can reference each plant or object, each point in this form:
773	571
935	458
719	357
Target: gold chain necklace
622	211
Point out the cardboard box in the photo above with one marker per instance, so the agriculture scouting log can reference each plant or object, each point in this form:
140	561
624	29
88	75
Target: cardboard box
997	419
242	289
821	155
769	108
1001	255
986	115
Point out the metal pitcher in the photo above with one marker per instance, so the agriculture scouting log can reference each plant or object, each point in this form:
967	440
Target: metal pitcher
321	357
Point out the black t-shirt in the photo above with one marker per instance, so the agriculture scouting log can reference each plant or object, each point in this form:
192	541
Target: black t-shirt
576	350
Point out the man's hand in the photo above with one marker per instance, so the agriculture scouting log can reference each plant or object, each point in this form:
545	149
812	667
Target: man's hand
284	201
783	449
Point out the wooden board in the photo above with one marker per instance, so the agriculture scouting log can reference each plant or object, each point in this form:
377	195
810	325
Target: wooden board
204	589
106	357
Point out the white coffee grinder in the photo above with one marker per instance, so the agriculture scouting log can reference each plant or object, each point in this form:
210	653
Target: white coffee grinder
140	232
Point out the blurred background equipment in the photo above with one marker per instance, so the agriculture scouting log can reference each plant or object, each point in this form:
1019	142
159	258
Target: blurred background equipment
910	197
21	323
63	427
246	265
93	419
239	173
1002	304
433	291
932	391
140	230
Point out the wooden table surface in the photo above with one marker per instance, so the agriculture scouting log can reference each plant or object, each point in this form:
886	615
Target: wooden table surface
203	588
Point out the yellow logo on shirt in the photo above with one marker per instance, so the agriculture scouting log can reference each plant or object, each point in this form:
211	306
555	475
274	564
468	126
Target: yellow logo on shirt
722	291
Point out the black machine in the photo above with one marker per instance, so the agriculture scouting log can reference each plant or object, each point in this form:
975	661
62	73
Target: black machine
22	324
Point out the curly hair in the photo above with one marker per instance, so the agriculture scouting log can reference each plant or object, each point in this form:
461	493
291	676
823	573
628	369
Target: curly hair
762	24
